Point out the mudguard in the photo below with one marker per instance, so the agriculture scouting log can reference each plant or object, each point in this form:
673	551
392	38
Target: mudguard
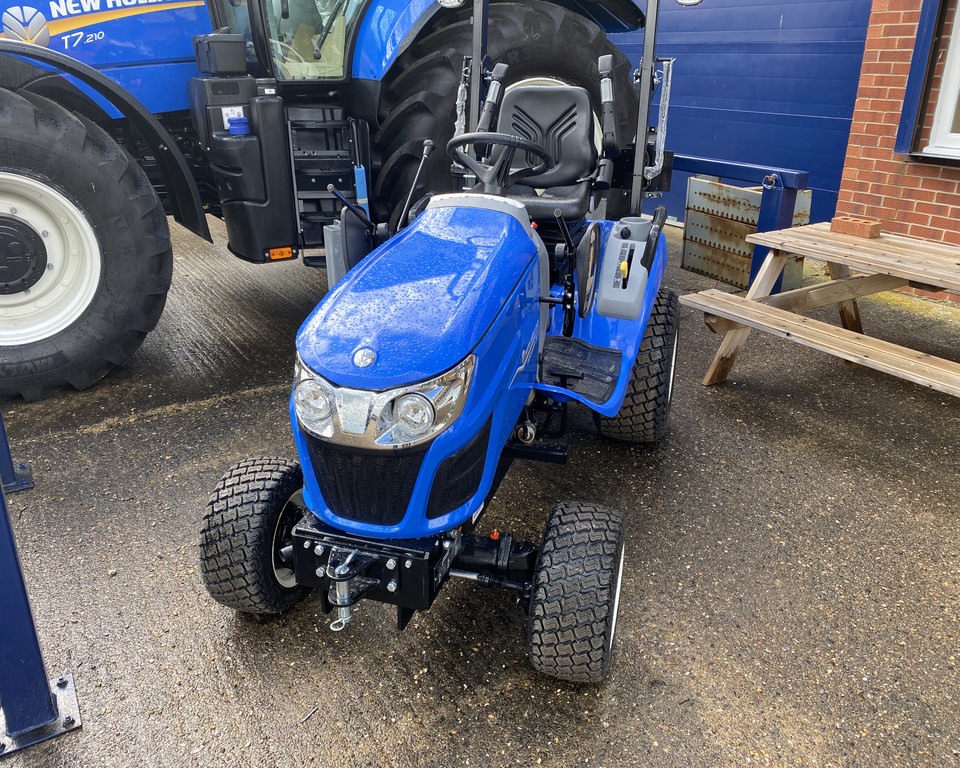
182	190
389	26
612	333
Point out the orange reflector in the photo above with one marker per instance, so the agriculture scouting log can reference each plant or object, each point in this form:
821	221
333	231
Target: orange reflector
276	254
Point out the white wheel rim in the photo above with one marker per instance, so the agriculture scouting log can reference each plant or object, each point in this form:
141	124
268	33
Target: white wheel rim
616	596
72	276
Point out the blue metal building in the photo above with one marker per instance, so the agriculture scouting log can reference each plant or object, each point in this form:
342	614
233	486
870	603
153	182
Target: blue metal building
763	82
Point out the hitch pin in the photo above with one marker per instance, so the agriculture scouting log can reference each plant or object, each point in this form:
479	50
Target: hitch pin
344	612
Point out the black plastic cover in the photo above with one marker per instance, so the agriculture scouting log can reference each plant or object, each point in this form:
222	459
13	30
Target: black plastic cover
220	54
252	171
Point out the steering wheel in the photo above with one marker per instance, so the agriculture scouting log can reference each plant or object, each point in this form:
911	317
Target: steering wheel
495	176
284	52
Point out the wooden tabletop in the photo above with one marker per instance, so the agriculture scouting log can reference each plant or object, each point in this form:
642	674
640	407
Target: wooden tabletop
922	261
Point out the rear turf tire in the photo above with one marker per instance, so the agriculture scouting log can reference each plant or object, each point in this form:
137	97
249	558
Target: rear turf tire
646	407
93	232
576	593
245	540
419	98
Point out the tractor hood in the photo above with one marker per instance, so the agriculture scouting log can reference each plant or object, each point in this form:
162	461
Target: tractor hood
421	302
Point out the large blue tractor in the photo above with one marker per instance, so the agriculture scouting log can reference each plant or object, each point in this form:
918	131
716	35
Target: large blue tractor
114	113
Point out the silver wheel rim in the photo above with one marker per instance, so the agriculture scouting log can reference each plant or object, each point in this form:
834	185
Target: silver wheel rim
286	577
673	368
72	276
616	597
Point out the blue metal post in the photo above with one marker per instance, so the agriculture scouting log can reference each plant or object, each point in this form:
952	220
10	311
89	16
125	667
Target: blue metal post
15	477
25	695
777	205
33	708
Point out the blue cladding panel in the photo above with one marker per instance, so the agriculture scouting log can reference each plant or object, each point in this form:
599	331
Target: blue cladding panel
762	82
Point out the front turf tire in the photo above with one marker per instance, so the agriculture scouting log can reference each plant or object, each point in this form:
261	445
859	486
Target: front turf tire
646	407
84	215
245	544
576	593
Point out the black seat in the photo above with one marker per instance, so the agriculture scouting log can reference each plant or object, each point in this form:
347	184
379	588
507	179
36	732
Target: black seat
560	118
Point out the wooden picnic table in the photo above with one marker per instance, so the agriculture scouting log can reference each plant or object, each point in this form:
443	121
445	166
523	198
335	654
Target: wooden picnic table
881	264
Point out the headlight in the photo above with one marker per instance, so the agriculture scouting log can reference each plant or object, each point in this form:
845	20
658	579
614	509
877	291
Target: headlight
313	401
313	406
414	414
396	418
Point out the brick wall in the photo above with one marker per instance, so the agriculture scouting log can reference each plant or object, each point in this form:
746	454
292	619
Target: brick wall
911	198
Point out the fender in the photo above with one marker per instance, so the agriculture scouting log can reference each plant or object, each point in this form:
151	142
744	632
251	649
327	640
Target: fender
183	192
378	44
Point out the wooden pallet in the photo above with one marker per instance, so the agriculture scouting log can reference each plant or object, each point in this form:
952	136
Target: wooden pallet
926	370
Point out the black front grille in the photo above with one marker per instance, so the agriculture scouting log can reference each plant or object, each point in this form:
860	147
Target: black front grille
370	488
459	476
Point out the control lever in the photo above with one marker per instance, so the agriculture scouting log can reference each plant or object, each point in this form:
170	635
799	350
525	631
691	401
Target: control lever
367	224
428	146
569	311
650	249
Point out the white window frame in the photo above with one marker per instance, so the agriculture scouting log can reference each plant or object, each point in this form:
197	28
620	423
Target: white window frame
943	141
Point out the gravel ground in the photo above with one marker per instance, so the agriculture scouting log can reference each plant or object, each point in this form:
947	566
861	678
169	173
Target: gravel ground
791	593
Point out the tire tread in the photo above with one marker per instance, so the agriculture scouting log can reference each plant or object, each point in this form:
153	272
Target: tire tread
573	592
236	535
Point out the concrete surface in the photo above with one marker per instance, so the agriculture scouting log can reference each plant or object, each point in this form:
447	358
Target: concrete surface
791	595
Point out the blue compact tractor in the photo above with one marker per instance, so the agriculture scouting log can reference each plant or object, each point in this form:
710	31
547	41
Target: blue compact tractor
444	352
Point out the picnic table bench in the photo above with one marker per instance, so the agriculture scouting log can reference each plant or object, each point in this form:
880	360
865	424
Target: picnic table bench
881	264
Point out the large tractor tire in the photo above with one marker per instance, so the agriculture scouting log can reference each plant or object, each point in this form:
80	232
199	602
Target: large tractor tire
85	257
537	40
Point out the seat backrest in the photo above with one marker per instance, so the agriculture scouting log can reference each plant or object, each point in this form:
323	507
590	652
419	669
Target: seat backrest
561	119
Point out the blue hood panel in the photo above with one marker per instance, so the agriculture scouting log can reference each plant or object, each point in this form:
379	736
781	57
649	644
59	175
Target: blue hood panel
421	302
